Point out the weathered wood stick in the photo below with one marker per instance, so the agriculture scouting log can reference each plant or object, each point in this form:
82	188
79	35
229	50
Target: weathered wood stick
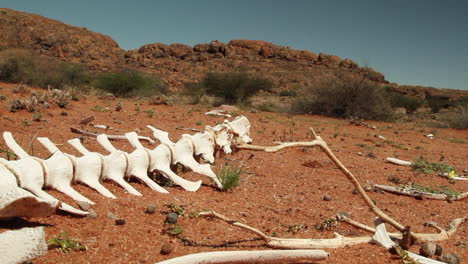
416	193
114	137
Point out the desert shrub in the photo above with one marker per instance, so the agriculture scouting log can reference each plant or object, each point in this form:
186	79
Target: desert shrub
410	103
234	87
230	176
194	92
460	121
19	66
288	93
128	83
343	97
421	165
437	102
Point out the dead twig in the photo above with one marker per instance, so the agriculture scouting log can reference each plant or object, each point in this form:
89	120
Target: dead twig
113	137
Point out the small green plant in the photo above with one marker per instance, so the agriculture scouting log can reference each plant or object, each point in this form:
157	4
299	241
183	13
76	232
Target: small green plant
178	209
199	123
327	224
149	113
98	108
442	189
230	176
37	117
456	140
395	145
421	165
396	180
176	230
26	122
295	228
65	244
2	97
366	146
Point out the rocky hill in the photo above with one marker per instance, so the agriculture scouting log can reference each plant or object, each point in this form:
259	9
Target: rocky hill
177	63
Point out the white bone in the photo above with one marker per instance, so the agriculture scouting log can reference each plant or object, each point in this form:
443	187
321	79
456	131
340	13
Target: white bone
160	160
203	145
23	245
182	152
218	112
240	126
222	137
115	165
30	174
138	164
59	172
250	256
399	162
17	202
86	169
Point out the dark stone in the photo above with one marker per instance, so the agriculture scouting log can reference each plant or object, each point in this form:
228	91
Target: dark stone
172	218
166	249
120	221
150	209
327	197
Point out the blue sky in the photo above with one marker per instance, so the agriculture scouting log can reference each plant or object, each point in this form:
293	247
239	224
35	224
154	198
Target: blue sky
416	42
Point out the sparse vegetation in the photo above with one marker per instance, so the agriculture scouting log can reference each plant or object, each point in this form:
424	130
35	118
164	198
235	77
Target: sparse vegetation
230	176
444	189
288	93
37	117
457	140
327	224
410	103
128	83
65	244
347	98
421	165
20	66
176	230
178	209
233	87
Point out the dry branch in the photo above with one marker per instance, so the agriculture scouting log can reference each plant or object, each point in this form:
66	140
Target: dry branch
318	141
293	243
415	193
190	129
114	137
245	256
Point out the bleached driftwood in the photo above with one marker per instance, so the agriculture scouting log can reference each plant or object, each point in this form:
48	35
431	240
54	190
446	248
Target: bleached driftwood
115	137
408	191
399	162
23	245
30	174
245	256
319	142
160	160
16	202
293	243
382	238
443	234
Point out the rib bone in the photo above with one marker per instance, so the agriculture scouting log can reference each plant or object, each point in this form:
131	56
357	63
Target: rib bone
160	160
86	168
30	174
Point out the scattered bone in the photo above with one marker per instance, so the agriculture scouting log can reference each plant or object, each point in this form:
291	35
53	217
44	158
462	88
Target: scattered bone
382	238
399	162
189	129
160	160
430	136
222	137
218	112
408	191
23	245
101	126
250	256
16	202
30	174
183	152
114	137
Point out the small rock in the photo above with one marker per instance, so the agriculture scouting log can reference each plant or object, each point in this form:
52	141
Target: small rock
172	218
451	259
84	205
166	249
120	221
150	209
327	197
439	250
111	216
355	191
465	170
374	202
367	188
359	153
427	250
92	214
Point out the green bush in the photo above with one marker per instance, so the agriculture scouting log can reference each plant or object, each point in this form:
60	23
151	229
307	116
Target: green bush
437	102
20	66
128	83
288	93
234	87
344	97
194	92
410	103
460	121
